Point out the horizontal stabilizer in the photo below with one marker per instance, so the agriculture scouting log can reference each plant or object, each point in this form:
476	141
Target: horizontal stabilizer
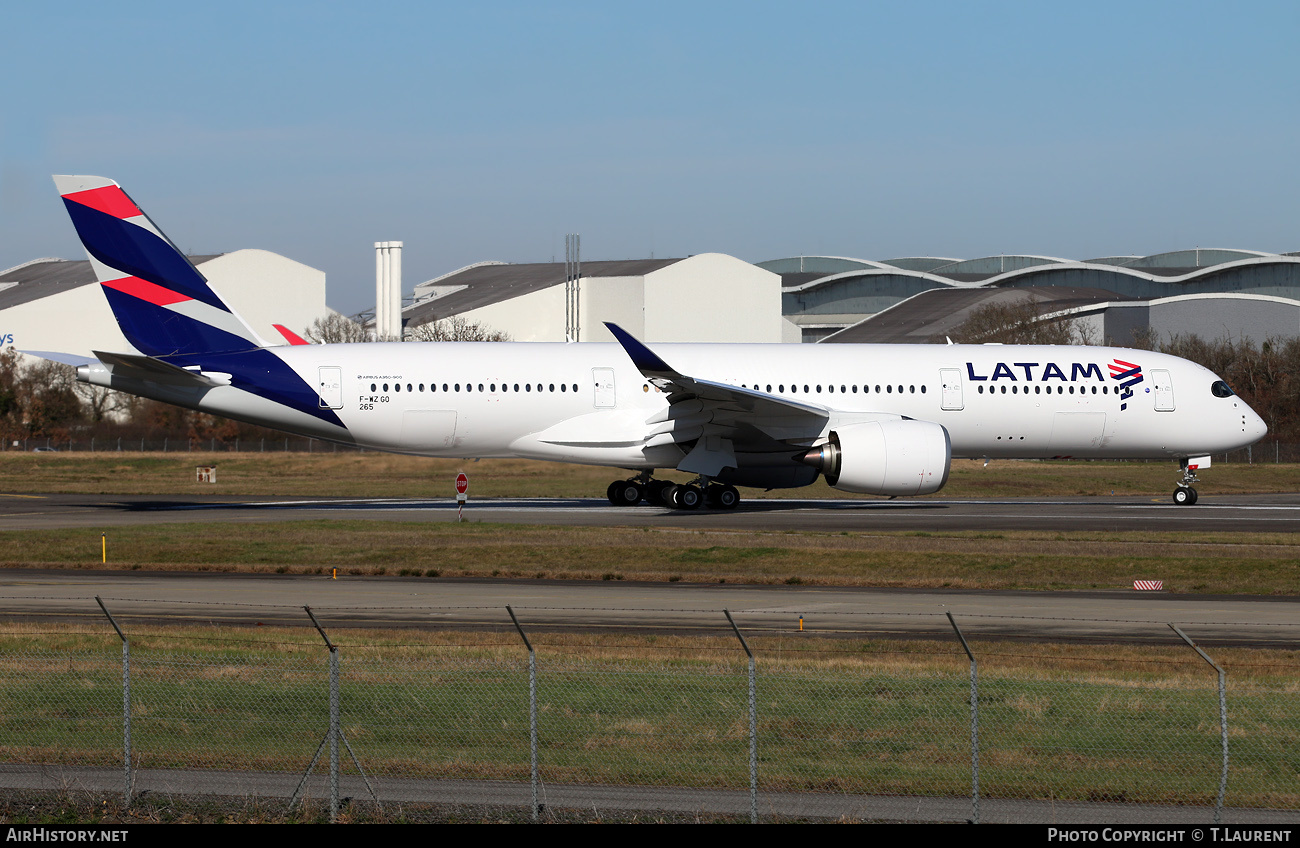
139	367
73	359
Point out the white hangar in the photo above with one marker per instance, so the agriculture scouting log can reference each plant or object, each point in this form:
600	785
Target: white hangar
710	297
54	305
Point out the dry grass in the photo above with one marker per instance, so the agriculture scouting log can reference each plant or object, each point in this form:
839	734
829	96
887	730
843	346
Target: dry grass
1187	562
1068	722
388	475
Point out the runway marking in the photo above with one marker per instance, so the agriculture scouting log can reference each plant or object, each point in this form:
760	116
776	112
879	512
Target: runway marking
33	497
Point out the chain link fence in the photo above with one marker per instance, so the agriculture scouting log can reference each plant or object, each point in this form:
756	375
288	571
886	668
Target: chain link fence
740	725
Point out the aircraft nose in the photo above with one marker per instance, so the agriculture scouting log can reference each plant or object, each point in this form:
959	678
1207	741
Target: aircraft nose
1256	429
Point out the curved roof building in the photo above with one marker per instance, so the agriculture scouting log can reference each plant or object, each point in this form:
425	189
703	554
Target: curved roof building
1209	292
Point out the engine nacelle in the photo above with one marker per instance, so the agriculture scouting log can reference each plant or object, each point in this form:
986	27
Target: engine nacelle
893	457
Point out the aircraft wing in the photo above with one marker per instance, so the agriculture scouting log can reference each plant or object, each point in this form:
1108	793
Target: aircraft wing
722	417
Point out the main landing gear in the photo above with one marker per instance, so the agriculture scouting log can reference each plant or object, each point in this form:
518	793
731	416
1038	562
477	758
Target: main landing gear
1185	495
693	495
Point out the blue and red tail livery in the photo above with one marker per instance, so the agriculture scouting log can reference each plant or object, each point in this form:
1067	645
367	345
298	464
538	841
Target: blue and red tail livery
165	306
162	303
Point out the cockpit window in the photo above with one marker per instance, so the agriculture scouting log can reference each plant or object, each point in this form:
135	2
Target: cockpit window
1220	389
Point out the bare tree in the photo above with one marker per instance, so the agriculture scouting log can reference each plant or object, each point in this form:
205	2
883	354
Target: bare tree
335	329
456	329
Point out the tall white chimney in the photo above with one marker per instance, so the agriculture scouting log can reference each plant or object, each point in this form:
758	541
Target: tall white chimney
388	290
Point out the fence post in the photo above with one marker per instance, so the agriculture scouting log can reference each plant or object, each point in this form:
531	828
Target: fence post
1223	721
974	724
334	718
532	711
126	702
753	724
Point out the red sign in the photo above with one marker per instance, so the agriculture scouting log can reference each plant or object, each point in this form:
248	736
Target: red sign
462	483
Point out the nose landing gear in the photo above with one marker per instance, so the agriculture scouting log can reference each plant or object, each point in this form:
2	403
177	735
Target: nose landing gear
1185	495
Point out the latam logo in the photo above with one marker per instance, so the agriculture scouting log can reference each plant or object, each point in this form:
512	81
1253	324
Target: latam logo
1129	375
1045	371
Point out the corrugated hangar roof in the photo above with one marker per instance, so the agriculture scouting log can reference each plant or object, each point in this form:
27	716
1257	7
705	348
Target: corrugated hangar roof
933	314
44	277
483	285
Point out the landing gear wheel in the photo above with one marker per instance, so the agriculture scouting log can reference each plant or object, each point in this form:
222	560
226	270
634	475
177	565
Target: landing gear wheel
722	497
669	495
1195	496
610	493
625	493
688	497
1184	496
656	492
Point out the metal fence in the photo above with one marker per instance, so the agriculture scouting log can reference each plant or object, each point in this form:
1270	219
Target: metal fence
730	726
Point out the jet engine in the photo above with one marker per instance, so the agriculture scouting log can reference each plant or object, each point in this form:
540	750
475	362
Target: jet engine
892	457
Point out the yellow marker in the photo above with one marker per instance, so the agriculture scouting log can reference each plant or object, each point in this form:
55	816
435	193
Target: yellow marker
335	574
103	541
801	624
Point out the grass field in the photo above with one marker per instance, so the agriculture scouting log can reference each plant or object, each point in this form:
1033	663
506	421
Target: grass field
1187	562
388	475
1059	722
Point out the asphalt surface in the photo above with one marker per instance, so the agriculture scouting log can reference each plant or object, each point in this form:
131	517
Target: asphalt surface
598	802
1245	513
675	607
671	608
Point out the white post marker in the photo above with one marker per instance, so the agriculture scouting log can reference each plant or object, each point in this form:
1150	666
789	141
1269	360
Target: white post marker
462	488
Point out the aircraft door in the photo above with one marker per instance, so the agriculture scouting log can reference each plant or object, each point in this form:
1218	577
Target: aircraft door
950	379
331	387
603	379
1164	387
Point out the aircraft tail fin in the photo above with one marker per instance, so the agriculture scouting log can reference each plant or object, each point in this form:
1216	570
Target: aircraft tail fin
163	304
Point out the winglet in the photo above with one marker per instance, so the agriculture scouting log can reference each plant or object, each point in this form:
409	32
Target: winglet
646	360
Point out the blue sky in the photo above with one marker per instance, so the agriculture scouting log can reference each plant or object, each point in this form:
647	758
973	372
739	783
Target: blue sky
489	130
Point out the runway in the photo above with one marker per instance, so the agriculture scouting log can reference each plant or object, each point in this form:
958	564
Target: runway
680	607
542	605
1231	513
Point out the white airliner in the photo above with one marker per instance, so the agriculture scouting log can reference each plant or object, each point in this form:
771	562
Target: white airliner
876	419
